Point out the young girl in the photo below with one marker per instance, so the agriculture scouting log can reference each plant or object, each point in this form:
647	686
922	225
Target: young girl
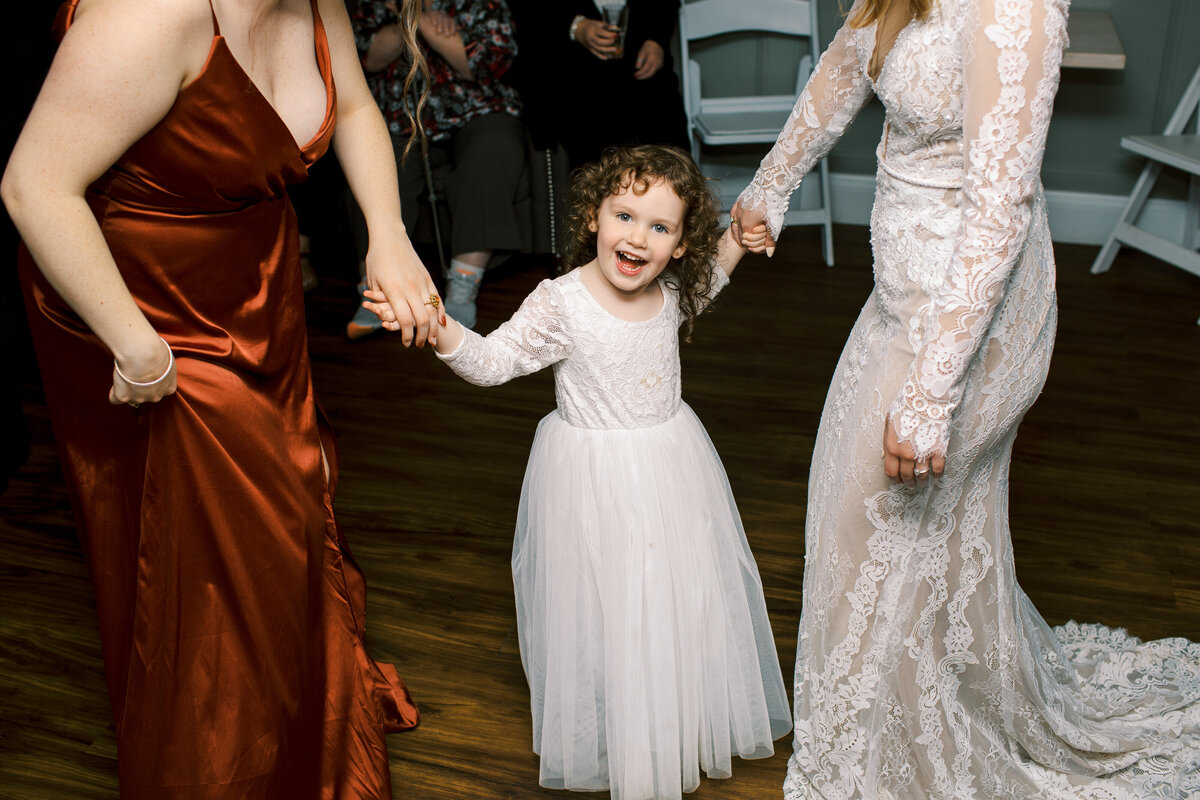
643	630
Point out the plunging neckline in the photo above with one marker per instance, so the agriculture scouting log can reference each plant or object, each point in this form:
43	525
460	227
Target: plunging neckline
324	69
886	57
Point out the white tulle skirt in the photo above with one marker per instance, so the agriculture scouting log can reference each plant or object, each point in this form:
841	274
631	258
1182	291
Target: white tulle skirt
643	629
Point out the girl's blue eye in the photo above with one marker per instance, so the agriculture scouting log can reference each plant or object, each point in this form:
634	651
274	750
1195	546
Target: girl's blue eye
624	216
660	228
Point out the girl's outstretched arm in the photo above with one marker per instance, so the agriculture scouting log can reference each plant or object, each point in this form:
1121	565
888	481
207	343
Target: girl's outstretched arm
729	252
534	338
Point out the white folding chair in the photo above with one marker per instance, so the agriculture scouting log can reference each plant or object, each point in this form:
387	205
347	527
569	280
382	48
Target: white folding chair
1176	149
716	121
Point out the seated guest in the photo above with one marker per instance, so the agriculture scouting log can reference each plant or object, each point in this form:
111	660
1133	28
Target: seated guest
583	89
471	122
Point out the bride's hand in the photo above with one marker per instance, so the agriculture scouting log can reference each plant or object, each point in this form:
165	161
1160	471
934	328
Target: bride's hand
900	462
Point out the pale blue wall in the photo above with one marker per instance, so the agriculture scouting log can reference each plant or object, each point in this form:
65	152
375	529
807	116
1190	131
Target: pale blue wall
1094	108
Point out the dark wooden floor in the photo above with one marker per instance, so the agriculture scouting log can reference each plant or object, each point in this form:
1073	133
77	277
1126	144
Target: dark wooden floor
1105	507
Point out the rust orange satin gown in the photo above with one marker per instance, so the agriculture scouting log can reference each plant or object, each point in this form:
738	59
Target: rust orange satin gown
231	613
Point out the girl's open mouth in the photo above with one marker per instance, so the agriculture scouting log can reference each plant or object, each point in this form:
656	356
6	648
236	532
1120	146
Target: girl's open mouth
629	265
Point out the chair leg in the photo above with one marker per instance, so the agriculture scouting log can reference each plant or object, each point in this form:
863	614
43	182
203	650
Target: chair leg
433	205
827	204
1137	199
1191	219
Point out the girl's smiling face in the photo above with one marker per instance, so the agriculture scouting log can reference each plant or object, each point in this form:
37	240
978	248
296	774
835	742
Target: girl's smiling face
637	235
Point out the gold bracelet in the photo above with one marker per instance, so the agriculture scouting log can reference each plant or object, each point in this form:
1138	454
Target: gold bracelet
170	364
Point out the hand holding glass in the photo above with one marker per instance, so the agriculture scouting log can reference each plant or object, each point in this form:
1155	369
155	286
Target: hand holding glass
616	16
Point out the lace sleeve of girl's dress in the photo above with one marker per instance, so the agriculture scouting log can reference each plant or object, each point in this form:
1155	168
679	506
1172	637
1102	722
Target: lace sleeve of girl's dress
836	91
534	338
720	279
1012	53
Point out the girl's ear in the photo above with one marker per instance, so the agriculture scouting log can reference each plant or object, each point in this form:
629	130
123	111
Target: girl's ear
592	226
679	251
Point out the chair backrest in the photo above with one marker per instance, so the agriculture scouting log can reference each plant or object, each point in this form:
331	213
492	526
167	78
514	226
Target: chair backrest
705	19
1186	108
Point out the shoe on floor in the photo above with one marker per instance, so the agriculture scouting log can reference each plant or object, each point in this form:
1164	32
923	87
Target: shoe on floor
461	290
364	322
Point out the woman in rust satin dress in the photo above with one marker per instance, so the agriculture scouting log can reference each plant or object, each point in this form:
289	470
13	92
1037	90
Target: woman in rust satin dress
149	185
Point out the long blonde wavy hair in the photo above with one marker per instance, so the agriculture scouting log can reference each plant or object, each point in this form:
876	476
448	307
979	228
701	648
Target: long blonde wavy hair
873	10
409	12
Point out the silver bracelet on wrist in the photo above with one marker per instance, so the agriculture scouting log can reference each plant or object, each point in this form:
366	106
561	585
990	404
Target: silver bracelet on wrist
571	31
163	377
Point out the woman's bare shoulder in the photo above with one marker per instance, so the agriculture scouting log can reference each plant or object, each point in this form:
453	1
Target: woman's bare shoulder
174	16
162	31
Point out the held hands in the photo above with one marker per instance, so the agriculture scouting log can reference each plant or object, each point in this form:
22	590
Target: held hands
900	462
401	285
144	380
649	60
753	240
745	225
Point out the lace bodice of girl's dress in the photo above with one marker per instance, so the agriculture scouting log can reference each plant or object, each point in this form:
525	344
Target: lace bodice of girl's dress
608	372
968	94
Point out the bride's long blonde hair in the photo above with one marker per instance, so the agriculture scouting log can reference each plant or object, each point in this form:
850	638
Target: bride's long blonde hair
872	10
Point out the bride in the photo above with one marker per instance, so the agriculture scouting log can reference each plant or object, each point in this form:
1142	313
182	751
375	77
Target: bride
923	671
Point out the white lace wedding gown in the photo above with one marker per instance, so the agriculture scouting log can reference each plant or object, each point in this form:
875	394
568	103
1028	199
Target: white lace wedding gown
923	671
640	613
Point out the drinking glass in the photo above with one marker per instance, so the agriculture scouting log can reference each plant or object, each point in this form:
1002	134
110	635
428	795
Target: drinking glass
616	15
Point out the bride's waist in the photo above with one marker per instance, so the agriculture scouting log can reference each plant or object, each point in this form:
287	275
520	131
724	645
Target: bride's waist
932	171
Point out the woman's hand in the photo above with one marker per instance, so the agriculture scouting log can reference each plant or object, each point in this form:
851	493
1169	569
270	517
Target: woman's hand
145	378
599	39
743	222
649	60
395	270
900	462
436	22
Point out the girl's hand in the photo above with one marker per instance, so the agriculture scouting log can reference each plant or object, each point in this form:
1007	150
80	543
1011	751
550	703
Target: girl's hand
900	463
752	241
649	60
155	377
378	305
411	297
444	339
598	38
746	226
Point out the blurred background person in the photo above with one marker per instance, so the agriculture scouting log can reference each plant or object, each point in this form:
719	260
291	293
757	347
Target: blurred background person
585	88
471	122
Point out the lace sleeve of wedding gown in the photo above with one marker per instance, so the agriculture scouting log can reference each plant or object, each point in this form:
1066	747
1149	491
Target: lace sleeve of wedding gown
533	338
836	91
1012	53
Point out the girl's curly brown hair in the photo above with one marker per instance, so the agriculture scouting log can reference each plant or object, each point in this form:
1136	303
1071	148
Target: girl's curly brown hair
639	168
